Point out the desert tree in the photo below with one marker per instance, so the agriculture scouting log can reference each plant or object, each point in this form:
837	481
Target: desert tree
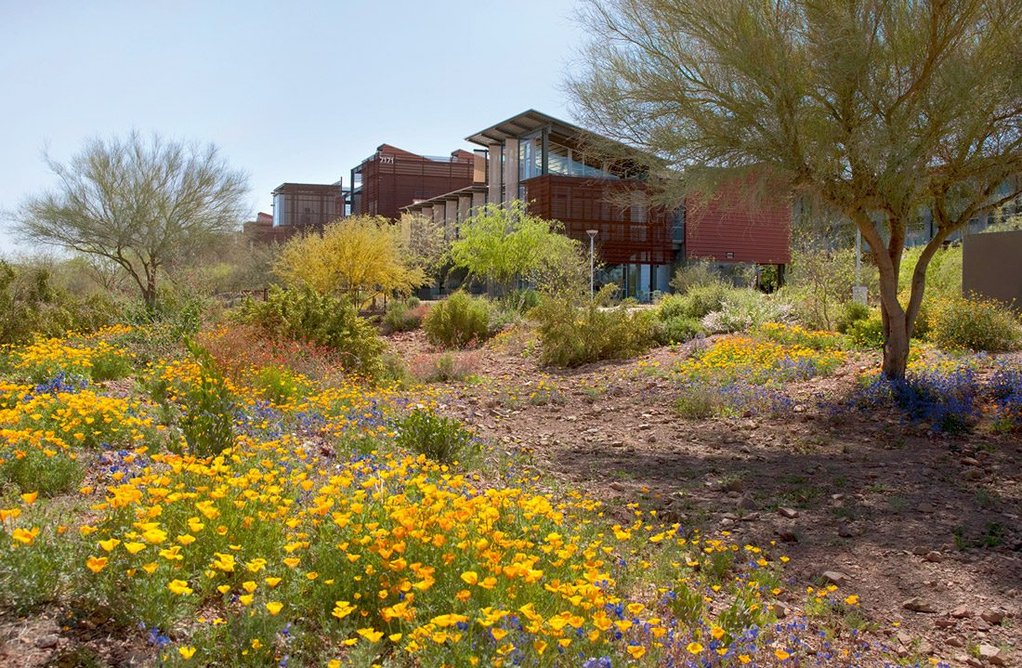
141	202
356	258
879	109
504	243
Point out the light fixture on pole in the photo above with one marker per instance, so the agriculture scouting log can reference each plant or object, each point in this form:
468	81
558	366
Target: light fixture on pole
592	262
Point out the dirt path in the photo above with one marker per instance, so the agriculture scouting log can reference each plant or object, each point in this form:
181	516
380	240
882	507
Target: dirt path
903	514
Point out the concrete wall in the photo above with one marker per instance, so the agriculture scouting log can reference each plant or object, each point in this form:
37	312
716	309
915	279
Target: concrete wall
992	266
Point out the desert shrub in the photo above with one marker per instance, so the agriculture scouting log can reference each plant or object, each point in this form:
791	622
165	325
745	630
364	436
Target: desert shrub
851	313
698	302
678	329
31	305
241	347
458	321
48	472
867	332
957	323
695	274
441	439
520	301
208	419
820	282
594	333
305	315
111	365
444	368
795	335
403	316
743	310
280	385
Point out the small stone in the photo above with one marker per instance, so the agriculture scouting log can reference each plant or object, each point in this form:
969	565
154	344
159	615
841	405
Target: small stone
970	461
991	654
973	474
961	612
837	497
617	487
925	647
846	531
904	638
790	513
779	609
787	536
955	642
933	556
48	641
944	623
836	578
915	604
919	550
992	616
747	503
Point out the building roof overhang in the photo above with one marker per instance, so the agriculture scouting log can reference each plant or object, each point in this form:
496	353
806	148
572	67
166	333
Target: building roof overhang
524	123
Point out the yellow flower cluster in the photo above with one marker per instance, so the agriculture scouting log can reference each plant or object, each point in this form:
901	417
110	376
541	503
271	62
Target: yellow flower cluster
758	361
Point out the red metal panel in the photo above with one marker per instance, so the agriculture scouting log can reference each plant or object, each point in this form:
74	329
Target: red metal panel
628	229
728	228
393	178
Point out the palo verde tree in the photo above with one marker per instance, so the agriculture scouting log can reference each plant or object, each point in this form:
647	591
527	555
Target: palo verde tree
356	258
143	203
503	243
879	109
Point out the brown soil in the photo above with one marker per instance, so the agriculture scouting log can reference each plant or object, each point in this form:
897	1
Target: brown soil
904	513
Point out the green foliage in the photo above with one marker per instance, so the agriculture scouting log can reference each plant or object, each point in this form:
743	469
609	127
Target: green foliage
697	303
441	439
943	275
820	283
37	472
694	274
504	243
571	335
458	321
698	401
744	310
280	385
403	316
958	323
305	315
31	305
851	313
867	332
679	329
110	365
208	419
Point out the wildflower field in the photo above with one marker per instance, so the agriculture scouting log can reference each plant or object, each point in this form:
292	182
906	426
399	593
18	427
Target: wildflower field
318	535
222	507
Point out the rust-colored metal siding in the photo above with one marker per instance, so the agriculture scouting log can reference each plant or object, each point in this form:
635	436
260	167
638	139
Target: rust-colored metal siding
393	178
629	230
729	229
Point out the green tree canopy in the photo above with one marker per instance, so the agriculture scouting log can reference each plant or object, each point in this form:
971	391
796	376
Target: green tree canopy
144	204
505	243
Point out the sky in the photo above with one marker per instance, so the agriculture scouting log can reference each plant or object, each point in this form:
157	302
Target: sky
290	91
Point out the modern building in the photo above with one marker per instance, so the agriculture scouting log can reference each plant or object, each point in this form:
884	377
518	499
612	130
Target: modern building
553	166
305	206
393	178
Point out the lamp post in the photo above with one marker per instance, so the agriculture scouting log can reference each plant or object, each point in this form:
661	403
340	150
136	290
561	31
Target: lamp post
592	262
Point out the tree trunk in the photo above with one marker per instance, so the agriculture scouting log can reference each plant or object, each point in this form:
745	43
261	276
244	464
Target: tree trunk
895	344
149	293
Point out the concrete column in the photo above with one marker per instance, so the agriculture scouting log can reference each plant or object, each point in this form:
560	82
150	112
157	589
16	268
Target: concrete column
478	200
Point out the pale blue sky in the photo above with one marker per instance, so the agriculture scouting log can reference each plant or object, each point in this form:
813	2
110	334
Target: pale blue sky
291	91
